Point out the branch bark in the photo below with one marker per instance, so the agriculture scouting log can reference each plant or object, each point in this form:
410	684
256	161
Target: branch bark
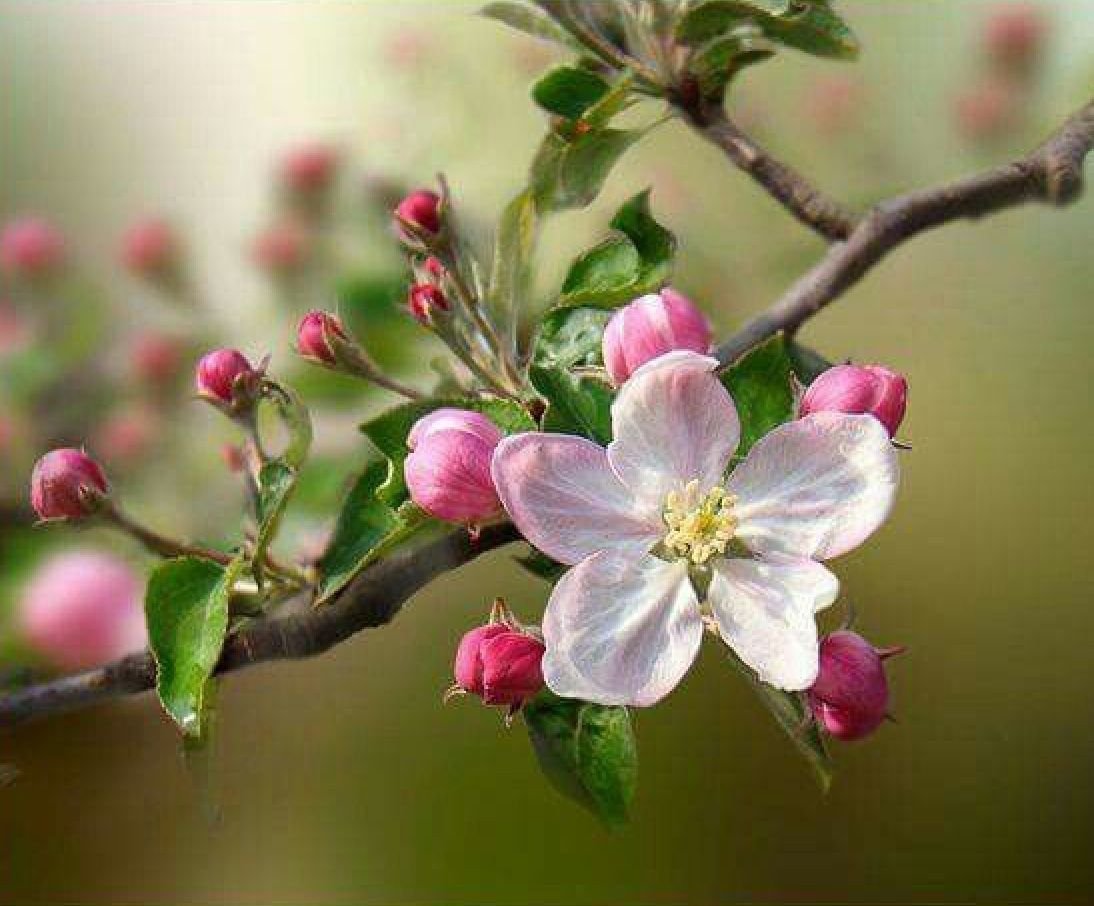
372	599
1050	174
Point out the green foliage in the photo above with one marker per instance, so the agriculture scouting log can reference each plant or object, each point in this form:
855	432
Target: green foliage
541	566
275	485
587	751
568	91
514	244
720	59
568	172
186	607
637	260
529	20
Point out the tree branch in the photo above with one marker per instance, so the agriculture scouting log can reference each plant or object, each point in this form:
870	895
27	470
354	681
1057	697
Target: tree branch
1051	174
372	599
788	187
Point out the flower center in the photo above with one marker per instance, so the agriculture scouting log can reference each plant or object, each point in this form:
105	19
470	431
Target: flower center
699	527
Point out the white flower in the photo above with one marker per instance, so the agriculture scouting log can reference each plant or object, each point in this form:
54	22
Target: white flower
636	519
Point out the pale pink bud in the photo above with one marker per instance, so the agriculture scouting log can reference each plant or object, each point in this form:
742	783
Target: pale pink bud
127	436
281	248
850	697
314	333
424	300
987	110
155	358
649	327
233	458
448	469
83	608
309	168
859	389
420	209
502	666
31	247
1014	35
221	373
64	484
833	101
149	248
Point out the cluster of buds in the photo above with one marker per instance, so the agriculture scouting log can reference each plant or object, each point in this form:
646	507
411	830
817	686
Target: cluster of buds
500	662
850	698
427	298
649	327
859	390
31	248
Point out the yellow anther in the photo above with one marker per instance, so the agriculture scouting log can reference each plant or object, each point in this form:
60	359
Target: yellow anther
699	526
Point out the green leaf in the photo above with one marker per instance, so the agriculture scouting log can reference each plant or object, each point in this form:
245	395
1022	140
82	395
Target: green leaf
514	245
760	384
791	712
569	173
719	60
587	751
186	607
816	29
568	91
529	20
541	566
715	18
276	481
571	336
617	99
808	363
636	261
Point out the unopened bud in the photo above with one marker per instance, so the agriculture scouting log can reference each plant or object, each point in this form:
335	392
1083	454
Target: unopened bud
425	299
649	327
31	247
1014	36
225	378
314	334
281	249
65	484
850	697
150	249
155	358
501	665
309	169
987	110
859	389
421	210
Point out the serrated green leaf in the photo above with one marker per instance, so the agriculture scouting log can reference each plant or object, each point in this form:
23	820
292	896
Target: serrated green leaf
276	481
569	172
514	246
529	20
587	751
568	91
715	18
186	608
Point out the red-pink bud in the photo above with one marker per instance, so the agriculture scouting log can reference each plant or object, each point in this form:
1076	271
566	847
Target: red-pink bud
281	248
309	168
850	697
64	483
149	248
127	435
233	458
859	389
313	336
155	357
83	608
501	665
31	247
420	209
424	299
434	269
649	327
219	374
448	469
468	666
1014	35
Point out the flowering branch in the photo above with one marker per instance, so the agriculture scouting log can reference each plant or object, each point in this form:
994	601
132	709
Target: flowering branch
1051	174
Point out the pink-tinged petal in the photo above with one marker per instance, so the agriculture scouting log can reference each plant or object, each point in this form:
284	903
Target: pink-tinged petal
672	422
566	500
764	611
449	419
817	487
620	630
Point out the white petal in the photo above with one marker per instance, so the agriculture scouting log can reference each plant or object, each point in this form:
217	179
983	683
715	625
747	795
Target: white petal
764	611
672	422
566	500
621	631
816	487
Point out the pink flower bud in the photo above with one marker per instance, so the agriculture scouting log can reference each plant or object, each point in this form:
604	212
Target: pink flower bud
64	483
220	373
281	249
850	698
31	247
649	327
1014	36
83	608
233	458
987	110
309	168
868	389
500	665
155	358
312	336
149	248
468	667
434	269
448	469
425	298
127	435
420	209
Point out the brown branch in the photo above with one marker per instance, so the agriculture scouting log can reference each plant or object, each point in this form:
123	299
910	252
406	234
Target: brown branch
788	187
372	599
1051	174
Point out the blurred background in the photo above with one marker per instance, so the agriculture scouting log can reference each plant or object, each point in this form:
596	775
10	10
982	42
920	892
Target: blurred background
131	128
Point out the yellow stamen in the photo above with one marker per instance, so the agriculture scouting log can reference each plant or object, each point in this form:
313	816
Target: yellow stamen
699	527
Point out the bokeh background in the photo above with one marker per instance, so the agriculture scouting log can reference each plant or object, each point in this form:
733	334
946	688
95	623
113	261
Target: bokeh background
343	779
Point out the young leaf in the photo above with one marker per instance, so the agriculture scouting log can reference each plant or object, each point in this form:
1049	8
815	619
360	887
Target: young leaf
571	336
529	20
568	91
276	481
715	18
761	387
587	751
719	60
513	250
568	173
808	363
186	607
816	29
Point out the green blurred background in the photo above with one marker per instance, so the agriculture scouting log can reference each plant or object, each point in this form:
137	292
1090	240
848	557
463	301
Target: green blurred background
343	779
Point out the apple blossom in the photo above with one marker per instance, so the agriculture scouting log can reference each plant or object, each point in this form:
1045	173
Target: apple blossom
637	519
864	389
64	483
651	326
850	697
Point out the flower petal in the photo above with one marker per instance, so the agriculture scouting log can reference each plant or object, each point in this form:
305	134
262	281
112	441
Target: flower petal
621	630
816	487
672	422
764	610
566	500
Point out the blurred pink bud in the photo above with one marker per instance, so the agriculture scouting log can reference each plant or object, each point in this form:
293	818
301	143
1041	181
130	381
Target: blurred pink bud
309	168
1014	35
859	389
407	48
155	358
832	102
313	336
425	298
500	665
850	698
987	110
126	436
150	248
31	247
220	373
434	269
420	209
83	608
281	248
232	455
649	327
64	483
448	469
15	331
